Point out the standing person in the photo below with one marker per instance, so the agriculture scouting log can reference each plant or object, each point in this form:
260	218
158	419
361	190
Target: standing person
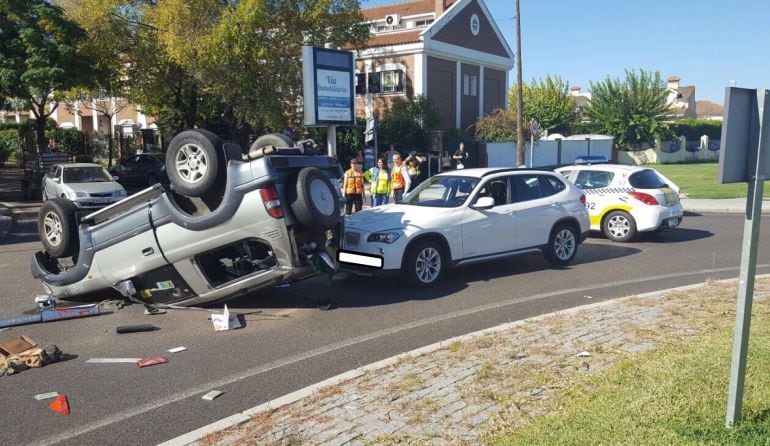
460	157
399	179
379	177
353	187
390	154
413	169
446	161
435	160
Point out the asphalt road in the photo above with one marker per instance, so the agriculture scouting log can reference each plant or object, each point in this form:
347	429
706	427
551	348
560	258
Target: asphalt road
288	343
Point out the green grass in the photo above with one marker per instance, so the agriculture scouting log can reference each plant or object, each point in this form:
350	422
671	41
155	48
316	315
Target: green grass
699	180
676	395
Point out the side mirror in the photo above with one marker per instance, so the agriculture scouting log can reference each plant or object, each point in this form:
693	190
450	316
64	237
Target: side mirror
484	203
57	180
115	177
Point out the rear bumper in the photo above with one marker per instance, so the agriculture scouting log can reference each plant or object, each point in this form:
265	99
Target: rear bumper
655	217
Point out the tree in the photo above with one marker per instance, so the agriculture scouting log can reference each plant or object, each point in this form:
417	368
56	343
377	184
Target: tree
545	99
39	58
630	110
407	124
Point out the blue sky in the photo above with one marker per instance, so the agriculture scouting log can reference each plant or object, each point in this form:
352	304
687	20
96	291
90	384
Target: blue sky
707	43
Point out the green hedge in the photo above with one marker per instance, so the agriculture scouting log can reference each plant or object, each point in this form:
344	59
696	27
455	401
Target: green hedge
10	144
693	129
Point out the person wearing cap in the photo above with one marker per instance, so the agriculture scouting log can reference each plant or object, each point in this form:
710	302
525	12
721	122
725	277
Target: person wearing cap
353	187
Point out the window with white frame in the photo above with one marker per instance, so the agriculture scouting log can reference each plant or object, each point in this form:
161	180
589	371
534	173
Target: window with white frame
469	85
391	81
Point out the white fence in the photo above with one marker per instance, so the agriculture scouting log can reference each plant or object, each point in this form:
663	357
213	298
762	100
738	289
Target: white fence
548	153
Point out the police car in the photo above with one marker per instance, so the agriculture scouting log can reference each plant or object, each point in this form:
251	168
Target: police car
623	200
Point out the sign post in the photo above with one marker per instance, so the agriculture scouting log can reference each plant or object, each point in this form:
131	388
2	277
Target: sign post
745	143
328	90
534	128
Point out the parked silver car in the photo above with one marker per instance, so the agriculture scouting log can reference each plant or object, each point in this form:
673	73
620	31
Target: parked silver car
230	222
85	185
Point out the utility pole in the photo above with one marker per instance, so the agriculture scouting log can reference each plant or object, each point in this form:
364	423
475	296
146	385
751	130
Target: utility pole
519	94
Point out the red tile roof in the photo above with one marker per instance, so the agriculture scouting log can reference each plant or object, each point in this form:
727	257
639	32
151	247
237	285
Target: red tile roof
394	38
402	9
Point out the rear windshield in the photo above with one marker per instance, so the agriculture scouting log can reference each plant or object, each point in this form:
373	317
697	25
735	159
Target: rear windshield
646	179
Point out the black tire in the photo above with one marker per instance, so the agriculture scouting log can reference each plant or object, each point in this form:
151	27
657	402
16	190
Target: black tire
562	245
271	139
195	162
314	201
424	263
619	226
57	227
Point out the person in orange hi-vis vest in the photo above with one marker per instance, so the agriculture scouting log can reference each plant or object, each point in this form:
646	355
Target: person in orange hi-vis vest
353	187
399	179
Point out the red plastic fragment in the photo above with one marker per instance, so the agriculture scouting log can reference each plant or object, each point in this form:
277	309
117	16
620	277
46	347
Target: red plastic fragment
152	360
61	405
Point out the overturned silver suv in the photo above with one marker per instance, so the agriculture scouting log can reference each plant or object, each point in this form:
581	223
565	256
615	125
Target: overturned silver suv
229	222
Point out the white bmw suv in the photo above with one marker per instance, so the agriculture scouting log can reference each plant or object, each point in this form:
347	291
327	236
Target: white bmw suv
467	216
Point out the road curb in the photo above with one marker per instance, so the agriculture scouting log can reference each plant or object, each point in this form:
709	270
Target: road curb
242	417
6	221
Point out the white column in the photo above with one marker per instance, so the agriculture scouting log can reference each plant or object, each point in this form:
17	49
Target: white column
114	115
481	91
458	93
78	119
18	117
368	104
94	116
417	80
141	119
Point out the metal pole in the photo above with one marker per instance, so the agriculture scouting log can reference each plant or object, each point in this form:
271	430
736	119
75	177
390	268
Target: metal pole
531	150
519	94
331	140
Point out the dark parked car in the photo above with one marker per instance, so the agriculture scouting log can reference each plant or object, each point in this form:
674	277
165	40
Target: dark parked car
142	170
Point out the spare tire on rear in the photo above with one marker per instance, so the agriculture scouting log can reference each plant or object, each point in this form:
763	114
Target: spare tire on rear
58	228
314	200
195	162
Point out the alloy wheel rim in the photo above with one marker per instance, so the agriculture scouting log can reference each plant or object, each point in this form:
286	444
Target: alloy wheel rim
564	244
619	226
428	265
52	228
191	163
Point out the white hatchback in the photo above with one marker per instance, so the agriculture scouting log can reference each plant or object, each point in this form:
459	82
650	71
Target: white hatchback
463	217
623	200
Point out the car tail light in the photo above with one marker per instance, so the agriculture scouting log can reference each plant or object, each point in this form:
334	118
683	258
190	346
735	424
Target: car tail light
583	199
644	198
272	202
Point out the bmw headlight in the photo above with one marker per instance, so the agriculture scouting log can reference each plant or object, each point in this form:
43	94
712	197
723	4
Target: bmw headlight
384	237
120	193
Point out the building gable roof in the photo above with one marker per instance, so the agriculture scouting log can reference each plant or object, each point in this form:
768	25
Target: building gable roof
453	27
402	9
708	108
394	38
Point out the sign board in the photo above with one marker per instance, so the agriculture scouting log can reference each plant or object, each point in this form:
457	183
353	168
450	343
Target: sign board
534	127
328	86
745	110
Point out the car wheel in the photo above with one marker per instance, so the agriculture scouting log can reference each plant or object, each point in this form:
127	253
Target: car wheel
271	139
57	227
314	201
619	226
424	264
562	245
194	162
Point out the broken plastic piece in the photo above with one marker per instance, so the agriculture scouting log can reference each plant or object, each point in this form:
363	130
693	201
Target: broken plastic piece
45	396
61	405
583	355
213	395
177	349
225	321
153	360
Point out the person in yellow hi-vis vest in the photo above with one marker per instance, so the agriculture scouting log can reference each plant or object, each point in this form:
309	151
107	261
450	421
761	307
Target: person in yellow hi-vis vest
399	179
379	177
353	187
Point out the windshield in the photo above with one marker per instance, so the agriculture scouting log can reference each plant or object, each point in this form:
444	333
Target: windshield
646	179
442	191
86	175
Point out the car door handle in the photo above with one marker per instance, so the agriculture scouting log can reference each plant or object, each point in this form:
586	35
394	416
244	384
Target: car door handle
148	251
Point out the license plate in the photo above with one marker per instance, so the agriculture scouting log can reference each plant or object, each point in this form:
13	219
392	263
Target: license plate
101	200
359	259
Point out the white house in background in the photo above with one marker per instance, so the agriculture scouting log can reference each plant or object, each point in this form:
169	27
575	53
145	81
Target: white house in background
451	52
681	99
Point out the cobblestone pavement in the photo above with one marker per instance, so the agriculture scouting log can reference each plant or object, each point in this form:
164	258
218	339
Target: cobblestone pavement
465	391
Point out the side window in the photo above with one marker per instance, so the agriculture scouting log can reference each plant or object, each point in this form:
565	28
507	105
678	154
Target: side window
527	187
497	188
593	179
550	185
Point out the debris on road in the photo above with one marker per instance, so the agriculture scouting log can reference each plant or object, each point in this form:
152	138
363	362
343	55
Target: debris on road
52	314
153	360
152	311
22	353
214	394
60	405
121	329
46	396
177	349
225	321
113	360
583	355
